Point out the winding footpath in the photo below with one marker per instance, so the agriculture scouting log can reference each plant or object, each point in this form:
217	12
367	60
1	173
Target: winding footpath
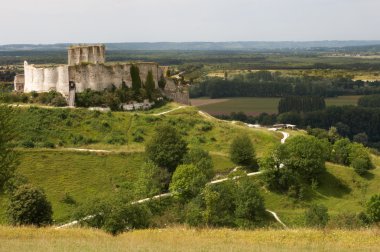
169	194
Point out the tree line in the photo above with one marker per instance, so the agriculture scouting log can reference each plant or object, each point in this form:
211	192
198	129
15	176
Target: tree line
301	104
267	84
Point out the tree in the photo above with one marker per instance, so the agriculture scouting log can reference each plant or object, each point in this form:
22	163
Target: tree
361	138
162	82
317	216
166	147
241	151
359	159
150	85
152	180
373	208
202	160
250	208
219	204
136	80
29	206
305	156
341	151
8	158
187	182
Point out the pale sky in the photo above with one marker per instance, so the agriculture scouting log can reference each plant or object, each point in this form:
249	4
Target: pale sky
85	21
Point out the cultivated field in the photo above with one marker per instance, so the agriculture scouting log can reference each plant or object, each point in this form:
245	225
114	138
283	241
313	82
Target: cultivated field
255	106
183	239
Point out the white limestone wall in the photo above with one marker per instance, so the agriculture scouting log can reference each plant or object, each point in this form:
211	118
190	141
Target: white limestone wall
41	79
99	76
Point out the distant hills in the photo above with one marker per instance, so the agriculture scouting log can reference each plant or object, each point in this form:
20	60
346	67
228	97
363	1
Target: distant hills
208	46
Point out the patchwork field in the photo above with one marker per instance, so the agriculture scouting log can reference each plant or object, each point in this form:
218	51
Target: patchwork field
255	106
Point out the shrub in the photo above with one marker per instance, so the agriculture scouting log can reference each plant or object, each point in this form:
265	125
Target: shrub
317	216
187	182
68	199
341	151
29	206
28	144
219	202
359	158
202	160
127	217
345	221
250	208
152	180
59	101
48	145
373	208
242	152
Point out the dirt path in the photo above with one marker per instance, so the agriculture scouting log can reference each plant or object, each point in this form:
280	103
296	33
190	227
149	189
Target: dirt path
166	112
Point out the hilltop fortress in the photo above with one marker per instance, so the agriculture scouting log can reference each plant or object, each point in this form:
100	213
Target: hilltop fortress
87	69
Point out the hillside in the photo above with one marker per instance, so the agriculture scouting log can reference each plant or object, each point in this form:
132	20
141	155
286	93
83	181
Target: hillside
119	138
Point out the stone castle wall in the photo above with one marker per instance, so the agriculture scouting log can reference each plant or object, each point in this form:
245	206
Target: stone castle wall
45	79
86	54
101	76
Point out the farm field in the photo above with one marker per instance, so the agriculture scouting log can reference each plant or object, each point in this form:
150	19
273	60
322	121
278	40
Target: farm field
255	105
185	239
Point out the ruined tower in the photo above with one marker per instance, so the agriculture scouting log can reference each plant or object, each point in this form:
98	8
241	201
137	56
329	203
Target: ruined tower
94	54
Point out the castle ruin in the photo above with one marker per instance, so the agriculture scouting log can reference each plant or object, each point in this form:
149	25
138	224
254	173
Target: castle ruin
86	69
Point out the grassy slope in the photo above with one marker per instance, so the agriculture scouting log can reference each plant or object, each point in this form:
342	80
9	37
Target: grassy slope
182	239
341	190
255	106
88	176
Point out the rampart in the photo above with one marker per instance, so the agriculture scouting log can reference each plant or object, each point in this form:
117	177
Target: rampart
100	76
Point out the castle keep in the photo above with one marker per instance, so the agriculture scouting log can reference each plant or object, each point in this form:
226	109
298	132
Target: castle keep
86	69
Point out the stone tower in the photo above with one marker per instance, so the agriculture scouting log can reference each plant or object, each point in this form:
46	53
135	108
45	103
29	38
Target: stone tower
86	54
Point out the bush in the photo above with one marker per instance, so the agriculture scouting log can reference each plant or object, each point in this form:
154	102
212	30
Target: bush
166	148
341	151
114	216
29	206
250	209
28	144
373	208
187	182
346	221
59	101
68	199
242	152
359	158
317	216
202	160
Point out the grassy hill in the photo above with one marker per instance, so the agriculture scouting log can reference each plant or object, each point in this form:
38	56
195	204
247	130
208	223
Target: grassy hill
84	176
